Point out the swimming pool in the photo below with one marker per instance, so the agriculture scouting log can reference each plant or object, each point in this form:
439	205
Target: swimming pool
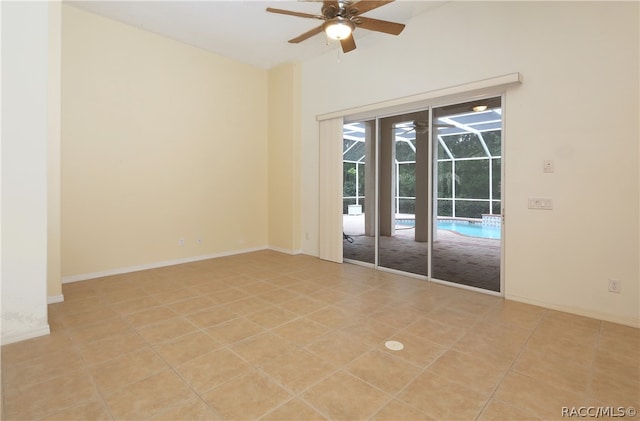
470	229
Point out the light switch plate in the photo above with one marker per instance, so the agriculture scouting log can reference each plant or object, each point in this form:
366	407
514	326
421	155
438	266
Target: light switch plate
540	203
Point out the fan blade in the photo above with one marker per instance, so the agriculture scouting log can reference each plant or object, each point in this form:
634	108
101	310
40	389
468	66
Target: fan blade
306	35
348	44
291	13
365	6
405	132
331	5
379	25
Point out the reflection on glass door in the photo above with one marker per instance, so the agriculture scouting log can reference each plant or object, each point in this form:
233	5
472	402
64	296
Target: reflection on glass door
467	194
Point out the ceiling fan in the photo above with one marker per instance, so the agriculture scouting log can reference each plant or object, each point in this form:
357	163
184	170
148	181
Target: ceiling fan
421	127
341	18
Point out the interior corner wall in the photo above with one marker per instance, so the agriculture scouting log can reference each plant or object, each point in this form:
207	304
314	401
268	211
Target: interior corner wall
24	170
54	270
578	106
161	142
284	160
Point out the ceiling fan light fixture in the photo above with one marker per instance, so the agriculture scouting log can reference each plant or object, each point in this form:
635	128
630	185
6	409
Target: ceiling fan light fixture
338	28
479	108
340	18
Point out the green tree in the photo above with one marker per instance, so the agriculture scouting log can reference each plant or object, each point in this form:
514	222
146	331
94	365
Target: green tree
348	179
407	180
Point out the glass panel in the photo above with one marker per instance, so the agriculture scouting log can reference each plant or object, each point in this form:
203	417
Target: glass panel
466	145
496	208
442	154
407	206
407	180
465	246
473	179
349	179
403	195
405	152
493	141
446	179
445	207
496	181
471	208
347	143
358	203
361	178
355	153
346	203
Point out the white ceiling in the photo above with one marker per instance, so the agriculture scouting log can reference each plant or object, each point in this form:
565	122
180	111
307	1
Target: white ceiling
243	30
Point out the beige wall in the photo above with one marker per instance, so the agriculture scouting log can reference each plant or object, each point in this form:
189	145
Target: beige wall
578	106
284	168
160	142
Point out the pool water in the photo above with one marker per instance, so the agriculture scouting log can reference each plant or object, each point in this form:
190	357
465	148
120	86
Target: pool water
461	227
470	229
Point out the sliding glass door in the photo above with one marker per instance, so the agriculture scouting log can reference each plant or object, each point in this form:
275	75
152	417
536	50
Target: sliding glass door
422	193
359	191
403	192
467	161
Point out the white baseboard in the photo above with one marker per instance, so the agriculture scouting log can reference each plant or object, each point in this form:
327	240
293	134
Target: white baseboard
285	251
52	299
627	321
119	271
22	336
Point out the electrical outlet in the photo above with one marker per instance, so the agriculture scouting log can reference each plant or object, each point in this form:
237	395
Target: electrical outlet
181	242
548	166
615	286
199	241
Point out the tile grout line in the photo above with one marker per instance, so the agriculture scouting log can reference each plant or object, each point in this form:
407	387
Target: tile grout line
420	372
188	384
508	370
228	348
592	368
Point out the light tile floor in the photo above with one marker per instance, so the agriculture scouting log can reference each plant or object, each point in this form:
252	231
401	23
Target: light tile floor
275	337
